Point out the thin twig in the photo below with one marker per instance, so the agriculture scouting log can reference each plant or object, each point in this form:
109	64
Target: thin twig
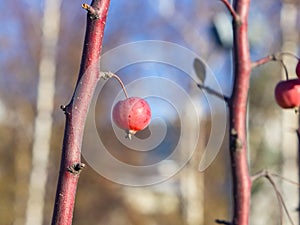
263	173
230	9
213	92
278	196
285	179
263	61
258	175
269	177
273	57
280	199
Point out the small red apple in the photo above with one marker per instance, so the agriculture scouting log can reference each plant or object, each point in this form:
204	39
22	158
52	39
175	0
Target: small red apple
132	114
287	93
298	69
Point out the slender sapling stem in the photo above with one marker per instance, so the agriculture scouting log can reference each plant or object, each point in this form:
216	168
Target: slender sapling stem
76	113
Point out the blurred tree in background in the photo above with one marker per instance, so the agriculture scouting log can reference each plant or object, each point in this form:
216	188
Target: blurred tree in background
190	23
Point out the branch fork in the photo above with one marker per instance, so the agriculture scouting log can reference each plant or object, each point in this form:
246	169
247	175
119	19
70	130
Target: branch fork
232	11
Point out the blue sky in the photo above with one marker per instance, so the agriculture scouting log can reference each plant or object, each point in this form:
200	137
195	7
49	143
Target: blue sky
130	21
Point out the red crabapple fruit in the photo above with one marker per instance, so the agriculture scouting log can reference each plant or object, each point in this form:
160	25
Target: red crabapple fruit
287	93
132	114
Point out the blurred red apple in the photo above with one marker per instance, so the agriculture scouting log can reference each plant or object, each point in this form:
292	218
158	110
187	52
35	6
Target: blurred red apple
287	93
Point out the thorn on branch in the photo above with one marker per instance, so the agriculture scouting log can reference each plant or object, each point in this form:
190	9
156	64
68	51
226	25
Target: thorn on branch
76	168
93	13
64	108
222	222
235	142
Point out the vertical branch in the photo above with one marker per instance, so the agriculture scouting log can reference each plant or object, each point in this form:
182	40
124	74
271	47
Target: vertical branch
76	112
238	115
298	161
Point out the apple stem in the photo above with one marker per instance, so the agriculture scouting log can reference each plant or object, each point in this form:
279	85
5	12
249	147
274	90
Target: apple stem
289	54
285	69
107	75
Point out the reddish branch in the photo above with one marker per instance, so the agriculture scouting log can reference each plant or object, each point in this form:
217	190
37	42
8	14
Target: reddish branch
230	9
238	110
275	57
263	61
76	112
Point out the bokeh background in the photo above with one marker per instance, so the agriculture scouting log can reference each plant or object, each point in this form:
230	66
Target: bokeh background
41	42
